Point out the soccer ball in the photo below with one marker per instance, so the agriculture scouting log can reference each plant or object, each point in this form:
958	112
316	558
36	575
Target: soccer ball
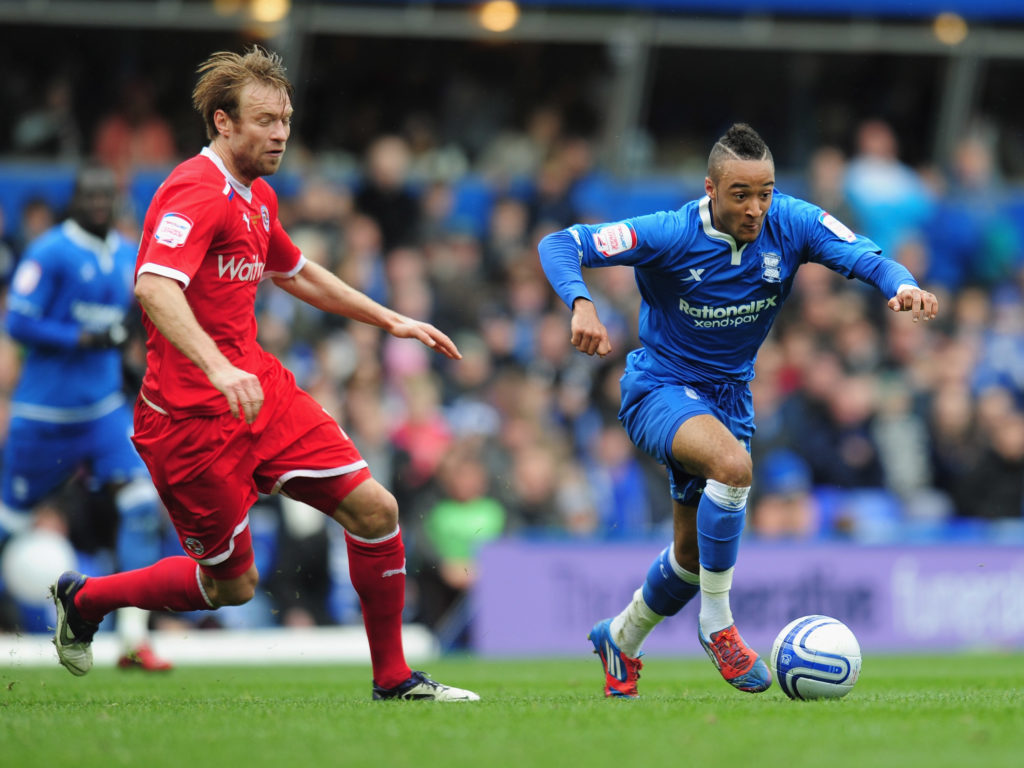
30	563
816	657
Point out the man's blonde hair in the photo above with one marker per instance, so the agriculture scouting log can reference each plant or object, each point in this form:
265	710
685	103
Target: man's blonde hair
223	76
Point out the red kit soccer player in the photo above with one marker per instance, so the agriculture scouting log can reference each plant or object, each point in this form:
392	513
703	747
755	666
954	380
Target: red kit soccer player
218	419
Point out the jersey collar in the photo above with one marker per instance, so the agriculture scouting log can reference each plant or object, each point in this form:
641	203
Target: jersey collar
714	234
102	248
243	191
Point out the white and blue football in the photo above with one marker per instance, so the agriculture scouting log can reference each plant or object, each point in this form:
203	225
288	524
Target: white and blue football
816	657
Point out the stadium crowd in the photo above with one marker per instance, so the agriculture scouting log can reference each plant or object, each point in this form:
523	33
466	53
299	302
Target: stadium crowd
870	429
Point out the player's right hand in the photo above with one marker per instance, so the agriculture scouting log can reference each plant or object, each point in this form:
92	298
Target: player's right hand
242	390
588	333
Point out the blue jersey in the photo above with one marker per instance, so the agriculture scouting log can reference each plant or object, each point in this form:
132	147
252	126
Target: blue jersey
69	281
709	302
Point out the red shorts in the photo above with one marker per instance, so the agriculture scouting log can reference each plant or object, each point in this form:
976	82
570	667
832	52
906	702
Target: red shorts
209	470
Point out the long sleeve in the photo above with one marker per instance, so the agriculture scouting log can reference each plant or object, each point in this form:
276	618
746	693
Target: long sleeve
560	258
885	274
41	331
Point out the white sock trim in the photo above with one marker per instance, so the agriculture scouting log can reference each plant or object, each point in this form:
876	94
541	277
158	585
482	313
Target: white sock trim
206	597
631	627
688	576
391	535
727	496
715	582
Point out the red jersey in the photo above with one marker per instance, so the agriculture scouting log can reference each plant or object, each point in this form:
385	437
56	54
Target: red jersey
219	239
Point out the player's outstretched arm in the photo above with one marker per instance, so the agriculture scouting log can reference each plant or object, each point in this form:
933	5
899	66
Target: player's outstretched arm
164	302
912	299
326	291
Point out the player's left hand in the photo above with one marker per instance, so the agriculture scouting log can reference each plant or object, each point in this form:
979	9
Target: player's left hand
407	328
914	300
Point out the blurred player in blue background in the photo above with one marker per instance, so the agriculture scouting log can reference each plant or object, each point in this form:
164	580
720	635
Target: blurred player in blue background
67	307
712	277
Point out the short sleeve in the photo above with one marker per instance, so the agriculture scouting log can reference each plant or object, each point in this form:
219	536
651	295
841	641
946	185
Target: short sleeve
187	218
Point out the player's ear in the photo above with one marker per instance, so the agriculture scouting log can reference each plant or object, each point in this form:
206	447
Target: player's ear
222	122
709	187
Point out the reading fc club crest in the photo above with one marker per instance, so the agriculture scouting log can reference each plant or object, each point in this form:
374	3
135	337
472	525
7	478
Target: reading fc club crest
771	271
265	216
194	545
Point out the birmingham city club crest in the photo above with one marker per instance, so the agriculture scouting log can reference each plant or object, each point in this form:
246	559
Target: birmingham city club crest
771	271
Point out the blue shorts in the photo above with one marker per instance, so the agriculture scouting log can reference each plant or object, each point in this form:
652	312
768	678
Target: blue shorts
40	456
653	410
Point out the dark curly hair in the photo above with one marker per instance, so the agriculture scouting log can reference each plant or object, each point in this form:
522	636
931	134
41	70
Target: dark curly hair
740	142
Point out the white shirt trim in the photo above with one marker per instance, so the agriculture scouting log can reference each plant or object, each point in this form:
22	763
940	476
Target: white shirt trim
714	234
76	415
290	273
171	272
103	248
153	405
244	191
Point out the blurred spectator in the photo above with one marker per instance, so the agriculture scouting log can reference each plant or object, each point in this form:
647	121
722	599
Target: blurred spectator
515	155
533	500
134	135
1000	362
619	486
385	194
506	241
551	205
431	159
37	216
783	505
826	175
421	433
955	444
462	519
901	435
889	199
8	256
972	237
298	578
51	128
995	485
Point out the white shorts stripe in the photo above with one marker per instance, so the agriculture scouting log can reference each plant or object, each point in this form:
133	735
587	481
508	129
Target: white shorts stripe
217	559
333	472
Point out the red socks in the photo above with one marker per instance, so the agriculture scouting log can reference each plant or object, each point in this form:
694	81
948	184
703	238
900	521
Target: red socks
171	584
377	570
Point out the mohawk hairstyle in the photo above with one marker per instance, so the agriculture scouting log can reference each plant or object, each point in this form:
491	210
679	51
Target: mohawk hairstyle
740	142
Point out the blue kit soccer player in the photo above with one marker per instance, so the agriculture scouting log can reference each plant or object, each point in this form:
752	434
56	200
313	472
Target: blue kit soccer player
68	301
712	277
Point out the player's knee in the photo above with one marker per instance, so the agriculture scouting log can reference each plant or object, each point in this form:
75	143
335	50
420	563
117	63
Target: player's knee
734	469
371	511
381	514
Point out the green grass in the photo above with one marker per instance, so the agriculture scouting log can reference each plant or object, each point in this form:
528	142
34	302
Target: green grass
963	710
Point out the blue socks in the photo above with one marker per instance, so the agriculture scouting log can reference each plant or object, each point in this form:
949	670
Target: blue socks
721	515
665	590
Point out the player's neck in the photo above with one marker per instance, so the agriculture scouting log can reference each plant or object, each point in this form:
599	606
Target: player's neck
228	160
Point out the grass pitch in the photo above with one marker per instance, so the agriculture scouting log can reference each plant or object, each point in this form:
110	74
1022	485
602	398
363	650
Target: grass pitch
956	710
